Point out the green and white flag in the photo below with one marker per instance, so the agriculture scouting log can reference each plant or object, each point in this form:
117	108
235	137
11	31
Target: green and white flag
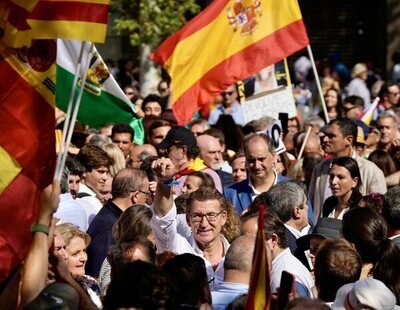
103	101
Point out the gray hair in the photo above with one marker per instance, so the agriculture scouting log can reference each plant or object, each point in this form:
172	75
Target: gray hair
284	197
261	124
389	114
64	184
99	140
314	121
127	181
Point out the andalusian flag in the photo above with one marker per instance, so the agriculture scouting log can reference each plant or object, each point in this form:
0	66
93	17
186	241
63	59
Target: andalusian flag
27	144
259	296
25	20
227	42
103	101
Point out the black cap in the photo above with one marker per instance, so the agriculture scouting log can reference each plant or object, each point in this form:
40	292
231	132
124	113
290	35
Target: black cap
178	136
327	228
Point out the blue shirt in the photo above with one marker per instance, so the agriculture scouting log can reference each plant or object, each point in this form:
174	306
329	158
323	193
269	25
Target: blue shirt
236	113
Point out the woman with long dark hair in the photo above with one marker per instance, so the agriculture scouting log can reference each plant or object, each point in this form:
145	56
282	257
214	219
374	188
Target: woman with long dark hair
344	181
367	230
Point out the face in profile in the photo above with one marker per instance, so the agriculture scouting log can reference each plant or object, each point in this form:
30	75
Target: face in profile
191	184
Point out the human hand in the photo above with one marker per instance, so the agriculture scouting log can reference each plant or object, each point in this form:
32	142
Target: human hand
59	268
163	168
49	202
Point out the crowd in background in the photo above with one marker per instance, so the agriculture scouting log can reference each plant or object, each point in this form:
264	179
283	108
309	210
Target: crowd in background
171	224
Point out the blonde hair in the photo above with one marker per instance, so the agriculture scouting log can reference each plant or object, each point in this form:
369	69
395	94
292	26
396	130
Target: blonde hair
69	231
115	153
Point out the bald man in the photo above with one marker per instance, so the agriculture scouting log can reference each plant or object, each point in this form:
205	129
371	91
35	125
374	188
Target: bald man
211	154
139	153
238	263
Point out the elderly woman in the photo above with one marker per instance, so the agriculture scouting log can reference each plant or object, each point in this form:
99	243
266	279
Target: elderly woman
76	242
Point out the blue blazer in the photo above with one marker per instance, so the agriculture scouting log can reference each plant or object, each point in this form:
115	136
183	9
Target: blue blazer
239	194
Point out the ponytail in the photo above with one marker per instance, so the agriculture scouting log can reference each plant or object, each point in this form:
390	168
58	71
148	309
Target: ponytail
387	268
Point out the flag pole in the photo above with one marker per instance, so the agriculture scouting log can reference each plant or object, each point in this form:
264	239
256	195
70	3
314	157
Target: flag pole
304	143
63	150
75	111
318	83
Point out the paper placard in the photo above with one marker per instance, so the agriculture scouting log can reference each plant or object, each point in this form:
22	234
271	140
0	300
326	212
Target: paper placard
275	133
269	103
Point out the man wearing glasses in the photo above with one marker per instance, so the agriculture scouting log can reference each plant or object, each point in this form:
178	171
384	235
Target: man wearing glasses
129	187
230	105
206	215
260	163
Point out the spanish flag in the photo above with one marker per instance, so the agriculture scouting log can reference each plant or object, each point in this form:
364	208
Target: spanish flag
259	296
27	144
25	20
227	42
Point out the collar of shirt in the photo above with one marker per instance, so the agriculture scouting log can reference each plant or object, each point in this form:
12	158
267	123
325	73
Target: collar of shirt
255	192
297	233
83	188
199	252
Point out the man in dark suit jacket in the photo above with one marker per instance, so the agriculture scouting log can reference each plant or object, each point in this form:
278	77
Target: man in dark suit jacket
260	160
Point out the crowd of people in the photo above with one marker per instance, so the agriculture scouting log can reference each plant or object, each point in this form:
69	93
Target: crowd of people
171	224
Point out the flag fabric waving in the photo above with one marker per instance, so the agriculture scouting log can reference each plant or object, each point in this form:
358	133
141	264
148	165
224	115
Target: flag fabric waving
368	115
103	101
227	42
27	144
259	296
25	20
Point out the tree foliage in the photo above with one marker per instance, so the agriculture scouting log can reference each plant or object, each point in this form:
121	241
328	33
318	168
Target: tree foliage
150	21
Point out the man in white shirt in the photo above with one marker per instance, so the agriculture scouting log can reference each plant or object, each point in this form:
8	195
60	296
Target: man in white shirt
97	164
282	258
206	214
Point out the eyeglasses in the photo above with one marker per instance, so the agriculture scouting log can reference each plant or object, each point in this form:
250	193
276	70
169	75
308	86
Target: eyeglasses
148	194
163	89
129	93
211	217
227	93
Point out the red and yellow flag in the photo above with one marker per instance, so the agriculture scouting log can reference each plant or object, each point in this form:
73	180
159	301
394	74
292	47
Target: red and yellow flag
25	20
227	42
259	296
27	144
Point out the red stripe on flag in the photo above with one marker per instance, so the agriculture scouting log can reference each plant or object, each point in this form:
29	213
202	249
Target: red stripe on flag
27	124
70	11
203	19
19	208
271	49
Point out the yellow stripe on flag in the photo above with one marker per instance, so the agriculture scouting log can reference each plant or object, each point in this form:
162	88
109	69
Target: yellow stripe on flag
68	30
222	42
10	168
35	78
